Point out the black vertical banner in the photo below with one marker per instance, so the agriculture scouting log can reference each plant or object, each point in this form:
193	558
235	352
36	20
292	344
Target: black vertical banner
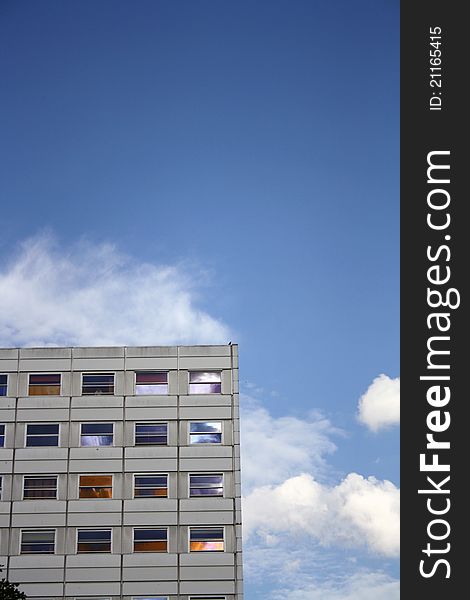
435	257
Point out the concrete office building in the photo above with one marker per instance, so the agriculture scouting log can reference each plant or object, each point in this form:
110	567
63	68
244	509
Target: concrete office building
120	472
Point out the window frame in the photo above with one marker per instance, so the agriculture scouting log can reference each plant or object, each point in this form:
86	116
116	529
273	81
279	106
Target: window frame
1	487
153	474
206	474
221	443
207	597
40	476
151	423
145	598
149	528
32	529
204	382
78	529
151	371
3	435
207	527
4	385
85	373
45	373
102	487
97	423
42	435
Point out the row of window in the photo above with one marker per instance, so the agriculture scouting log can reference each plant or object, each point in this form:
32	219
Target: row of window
146	485
146	382
201	539
148	598
102	434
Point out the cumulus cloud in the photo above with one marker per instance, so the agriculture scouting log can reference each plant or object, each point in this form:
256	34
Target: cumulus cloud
379	407
366	585
93	295
354	513
277	448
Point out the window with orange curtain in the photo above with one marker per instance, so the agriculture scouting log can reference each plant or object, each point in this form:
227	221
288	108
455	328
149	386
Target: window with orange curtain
96	486
150	540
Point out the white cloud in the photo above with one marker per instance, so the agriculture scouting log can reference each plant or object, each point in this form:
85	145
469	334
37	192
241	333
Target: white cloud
379	407
364	585
277	448
92	295
355	513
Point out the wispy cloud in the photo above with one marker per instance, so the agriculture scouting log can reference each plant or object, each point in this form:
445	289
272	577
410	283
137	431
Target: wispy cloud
379	407
88	294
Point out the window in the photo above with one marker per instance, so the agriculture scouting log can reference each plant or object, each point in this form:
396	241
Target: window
40	487
96	434
205	382
150	598
206	485
95	486
98	383
43	384
205	433
2	435
206	597
93	540
151	382
3	385
37	541
206	539
1	486
150	485
151	434
42	435
150	540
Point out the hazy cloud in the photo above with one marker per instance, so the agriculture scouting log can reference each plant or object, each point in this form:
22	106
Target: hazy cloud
379	407
90	294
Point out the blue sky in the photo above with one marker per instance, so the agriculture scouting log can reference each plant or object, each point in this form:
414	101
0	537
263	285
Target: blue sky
252	149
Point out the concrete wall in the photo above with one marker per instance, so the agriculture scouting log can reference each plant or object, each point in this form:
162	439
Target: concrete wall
122	574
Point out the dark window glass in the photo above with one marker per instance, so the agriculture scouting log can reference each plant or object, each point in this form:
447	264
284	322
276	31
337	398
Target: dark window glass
96	486
44	384
3	385
206	485
96	434
202	539
42	435
37	541
1	486
205	433
151	382
205	382
151	434
150	486
98	383
94	540
2	435
150	540
39	488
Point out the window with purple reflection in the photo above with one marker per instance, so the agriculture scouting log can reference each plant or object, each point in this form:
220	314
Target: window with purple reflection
206	539
205	432
151	434
205	382
3	384
207	485
151	382
96	434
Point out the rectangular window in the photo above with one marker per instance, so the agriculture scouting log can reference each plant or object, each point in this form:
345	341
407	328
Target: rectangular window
2	435
206	597
205	382
95	486
205	433
153	598
150	485
44	384
206	485
150	540
151	434
44	434
206	539
40	487
3	385
151	382
98	383
1	486
37	541
93	540
96	434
